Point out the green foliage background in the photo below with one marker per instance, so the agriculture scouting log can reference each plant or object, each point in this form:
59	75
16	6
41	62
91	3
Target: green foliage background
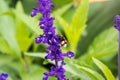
88	28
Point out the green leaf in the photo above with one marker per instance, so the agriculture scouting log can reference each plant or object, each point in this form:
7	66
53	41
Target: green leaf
103	47
82	72
36	73
5	59
70	67
31	23
19	7
70	33
41	55
78	23
79	71
7	31
3	6
4	46
22	33
24	43
59	4
31	72
108	74
13	73
62	10
45	62
80	16
93	74
77	26
98	21
65	26
52	78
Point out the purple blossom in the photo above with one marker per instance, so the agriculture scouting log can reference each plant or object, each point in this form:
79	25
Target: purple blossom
117	22
117	26
50	37
3	76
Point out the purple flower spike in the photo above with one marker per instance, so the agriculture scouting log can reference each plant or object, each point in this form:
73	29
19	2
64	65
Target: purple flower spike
50	37
117	22
117	26
3	76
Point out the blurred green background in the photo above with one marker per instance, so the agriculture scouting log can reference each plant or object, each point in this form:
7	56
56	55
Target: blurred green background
86	24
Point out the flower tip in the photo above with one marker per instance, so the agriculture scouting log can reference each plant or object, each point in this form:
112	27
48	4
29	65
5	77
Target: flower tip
37	40
33	14
45	77
3	76
117	22
70	54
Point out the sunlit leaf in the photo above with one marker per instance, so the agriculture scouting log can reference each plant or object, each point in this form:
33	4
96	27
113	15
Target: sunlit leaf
4	46
108	74
62	10
42	55
3	7
82	72
22	33
35	73
65	26
7	28
79	71
31	23
19	7
28	72
52	78
104	46
80	16
8	32
78	23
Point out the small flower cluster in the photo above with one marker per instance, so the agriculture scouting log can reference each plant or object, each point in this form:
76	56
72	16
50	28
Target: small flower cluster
49	37
3	76
117	22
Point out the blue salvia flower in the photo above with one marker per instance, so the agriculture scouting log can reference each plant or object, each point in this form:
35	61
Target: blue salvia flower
3	76
117	22
50	37
117	26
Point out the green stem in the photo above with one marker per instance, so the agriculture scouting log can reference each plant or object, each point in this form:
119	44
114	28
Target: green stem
25	62
119	58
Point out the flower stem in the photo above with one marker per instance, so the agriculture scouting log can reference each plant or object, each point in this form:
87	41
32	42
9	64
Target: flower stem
119	58
56	64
